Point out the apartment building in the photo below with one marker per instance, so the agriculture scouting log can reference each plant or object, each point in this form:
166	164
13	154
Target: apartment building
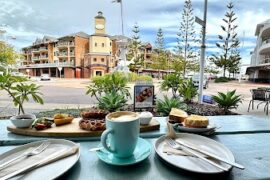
259	70
76	55
56	57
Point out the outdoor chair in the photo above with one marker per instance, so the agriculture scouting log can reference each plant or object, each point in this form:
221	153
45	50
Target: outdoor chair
261	95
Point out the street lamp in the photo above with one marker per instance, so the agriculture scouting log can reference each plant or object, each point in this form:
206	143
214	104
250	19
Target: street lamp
202	62
122	14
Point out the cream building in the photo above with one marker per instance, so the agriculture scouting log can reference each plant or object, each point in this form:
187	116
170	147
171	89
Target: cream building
259	70
100	59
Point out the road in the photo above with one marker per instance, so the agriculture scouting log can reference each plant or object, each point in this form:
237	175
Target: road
70	93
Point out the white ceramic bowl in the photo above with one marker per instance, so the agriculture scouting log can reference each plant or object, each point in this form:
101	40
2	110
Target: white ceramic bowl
145	117
23	121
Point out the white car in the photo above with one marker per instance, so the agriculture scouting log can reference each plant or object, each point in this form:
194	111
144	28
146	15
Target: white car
196	79
45	77
18	74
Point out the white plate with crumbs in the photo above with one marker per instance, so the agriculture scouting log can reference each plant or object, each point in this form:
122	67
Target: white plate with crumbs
194	164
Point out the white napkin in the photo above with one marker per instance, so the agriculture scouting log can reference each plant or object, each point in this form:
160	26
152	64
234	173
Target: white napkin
54	151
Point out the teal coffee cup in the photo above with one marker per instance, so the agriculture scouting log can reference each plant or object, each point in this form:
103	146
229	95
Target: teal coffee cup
121	134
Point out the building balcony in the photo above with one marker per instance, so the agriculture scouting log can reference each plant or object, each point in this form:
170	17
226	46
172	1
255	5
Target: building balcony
265	30
265	47
48	65
43	57
65	44
35	50
43	49
62	54
265	61
35	58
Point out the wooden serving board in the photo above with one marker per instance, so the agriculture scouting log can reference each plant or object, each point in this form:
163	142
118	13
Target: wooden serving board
72	130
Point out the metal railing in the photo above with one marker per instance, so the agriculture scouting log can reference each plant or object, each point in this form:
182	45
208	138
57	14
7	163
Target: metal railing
60	64
43	57
62	54
65	44
265	61
43	48
35	58
35	50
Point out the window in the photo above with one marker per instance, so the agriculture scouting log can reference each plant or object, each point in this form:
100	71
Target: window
103	45
110	43
95	44
102	59
95	59
98	73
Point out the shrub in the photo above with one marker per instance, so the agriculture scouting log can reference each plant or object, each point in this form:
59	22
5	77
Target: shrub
112	102
222	79
187	90
164	106
115	82
133	77
227	101
144	78
171	81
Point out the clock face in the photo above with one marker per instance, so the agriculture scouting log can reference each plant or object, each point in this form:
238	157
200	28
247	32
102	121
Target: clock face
100	26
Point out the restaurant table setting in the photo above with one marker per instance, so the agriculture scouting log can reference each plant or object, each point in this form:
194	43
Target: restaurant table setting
120	145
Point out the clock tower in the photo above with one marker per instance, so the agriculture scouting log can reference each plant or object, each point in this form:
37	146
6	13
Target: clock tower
100	23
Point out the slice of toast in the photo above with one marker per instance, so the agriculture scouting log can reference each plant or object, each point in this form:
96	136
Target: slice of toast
177	115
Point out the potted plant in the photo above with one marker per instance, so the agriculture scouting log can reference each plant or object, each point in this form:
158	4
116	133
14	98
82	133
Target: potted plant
20	91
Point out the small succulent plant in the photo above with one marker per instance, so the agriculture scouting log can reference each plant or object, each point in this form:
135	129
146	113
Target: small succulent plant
164	106
112	102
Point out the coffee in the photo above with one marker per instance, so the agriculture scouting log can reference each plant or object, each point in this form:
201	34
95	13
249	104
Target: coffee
123	116
124	129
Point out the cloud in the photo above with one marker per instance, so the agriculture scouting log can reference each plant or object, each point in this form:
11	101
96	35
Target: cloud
28	19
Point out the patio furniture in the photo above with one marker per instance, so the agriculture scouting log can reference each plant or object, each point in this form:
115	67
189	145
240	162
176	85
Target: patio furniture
246	136
261	95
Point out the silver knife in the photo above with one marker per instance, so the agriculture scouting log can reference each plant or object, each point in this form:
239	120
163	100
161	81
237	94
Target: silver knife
210	154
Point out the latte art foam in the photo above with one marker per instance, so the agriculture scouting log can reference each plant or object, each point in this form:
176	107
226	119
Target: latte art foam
123	117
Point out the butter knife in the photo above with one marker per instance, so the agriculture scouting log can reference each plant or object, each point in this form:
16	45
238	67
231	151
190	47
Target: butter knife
210	154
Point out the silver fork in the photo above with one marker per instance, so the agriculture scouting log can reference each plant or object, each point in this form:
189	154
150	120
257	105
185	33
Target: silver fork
35	151
174	145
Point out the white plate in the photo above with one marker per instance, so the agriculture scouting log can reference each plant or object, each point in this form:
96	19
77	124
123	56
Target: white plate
194	164
210	127
52	170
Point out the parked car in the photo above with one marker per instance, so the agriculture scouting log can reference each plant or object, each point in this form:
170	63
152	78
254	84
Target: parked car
45	77
196	79
18	74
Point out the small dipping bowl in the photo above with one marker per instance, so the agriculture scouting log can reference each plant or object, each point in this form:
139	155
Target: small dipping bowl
23	121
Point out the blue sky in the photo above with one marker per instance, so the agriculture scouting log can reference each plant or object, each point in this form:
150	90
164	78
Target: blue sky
29	19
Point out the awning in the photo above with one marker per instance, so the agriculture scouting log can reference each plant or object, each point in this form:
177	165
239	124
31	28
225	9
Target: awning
254	68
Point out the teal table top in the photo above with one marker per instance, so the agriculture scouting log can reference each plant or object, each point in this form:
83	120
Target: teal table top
250	150
247	137
229	125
